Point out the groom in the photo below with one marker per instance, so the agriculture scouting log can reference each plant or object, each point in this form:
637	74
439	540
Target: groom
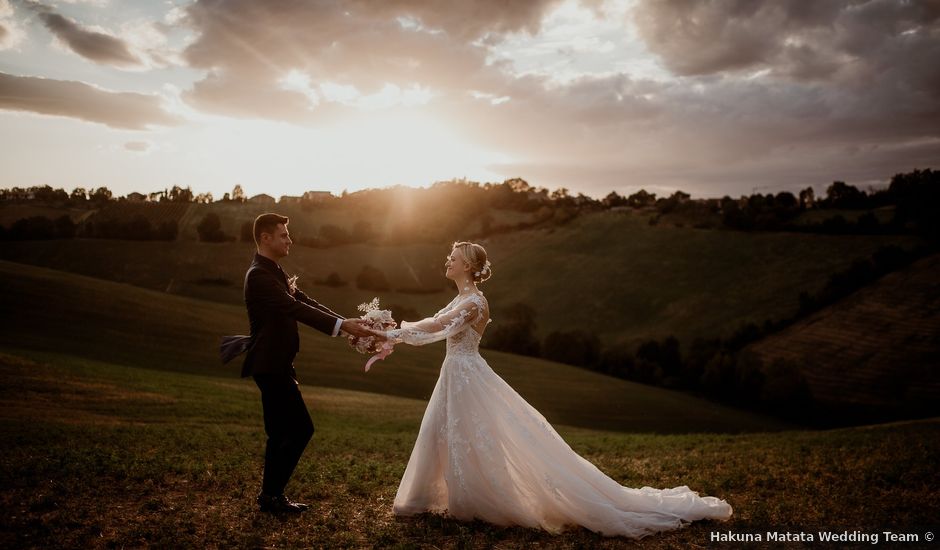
274	307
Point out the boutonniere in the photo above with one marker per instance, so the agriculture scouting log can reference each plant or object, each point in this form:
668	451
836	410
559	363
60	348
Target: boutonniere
292	284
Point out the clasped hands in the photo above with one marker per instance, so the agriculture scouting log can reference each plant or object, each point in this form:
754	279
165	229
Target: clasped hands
357	328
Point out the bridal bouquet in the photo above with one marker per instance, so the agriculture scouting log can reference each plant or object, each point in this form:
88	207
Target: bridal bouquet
376	319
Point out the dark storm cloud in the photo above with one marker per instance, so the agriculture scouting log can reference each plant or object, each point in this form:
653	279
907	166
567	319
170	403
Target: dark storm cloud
92	45
845	41
79	100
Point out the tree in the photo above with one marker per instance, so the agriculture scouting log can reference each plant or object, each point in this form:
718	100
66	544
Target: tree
334	234
917	196
64	227
210	229
33	228
100	196
371	278
138	229
576	347
79	195
334	280
247	232
841	195
613	199
178	194
664	206
238	194
641	198
807	198
167	231
560	194
515	331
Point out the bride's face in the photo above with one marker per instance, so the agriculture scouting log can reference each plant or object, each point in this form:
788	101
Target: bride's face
456	266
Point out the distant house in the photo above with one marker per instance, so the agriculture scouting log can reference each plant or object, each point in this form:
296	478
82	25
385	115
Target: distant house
317	196
285	199
136	197
263	199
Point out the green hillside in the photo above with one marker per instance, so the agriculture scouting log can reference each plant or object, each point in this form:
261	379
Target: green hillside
609	272
877	349
59	312
103	454
614	274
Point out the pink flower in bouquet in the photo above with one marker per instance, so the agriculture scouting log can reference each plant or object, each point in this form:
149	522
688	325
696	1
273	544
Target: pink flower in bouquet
376	319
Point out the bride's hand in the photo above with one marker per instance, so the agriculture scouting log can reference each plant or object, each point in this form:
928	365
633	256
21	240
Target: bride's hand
380	335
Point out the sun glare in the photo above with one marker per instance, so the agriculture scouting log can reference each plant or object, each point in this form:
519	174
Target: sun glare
373	149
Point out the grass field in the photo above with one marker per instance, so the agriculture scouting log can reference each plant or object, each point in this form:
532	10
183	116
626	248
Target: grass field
608	272
108	455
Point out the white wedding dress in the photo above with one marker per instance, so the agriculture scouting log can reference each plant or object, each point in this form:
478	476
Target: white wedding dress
483	452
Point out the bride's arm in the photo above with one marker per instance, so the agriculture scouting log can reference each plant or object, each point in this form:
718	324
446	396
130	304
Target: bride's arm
439	327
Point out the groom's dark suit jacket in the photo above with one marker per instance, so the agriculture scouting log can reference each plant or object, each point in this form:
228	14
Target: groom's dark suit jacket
273	312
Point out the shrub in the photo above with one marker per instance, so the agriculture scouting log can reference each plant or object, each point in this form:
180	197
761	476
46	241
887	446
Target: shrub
371	278
513	331
210	229
333	280
576	347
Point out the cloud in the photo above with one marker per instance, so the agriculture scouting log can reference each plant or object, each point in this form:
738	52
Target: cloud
846	41
79	100
91	44
137	146
11	35
247	47
754	90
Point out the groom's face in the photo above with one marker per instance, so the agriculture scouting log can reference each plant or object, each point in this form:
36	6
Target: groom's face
279	243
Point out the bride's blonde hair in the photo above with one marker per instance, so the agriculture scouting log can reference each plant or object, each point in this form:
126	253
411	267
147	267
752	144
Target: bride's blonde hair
475	255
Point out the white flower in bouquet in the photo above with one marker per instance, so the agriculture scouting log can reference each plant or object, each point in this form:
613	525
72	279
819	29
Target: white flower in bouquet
374	318
292	284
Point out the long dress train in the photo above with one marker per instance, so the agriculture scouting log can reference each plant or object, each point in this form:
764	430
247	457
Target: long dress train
483	452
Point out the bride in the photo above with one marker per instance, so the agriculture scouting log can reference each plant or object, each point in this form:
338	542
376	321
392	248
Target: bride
483	452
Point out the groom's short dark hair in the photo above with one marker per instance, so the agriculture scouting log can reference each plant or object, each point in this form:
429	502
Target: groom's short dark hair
267	223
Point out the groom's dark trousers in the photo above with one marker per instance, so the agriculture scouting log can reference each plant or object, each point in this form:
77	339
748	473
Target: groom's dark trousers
273	312
289	428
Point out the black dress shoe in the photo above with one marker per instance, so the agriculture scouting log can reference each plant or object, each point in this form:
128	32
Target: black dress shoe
279	505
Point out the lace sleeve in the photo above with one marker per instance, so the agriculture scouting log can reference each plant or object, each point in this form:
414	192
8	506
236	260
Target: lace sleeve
446	323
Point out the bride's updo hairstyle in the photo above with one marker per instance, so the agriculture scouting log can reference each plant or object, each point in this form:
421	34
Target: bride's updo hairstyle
475	255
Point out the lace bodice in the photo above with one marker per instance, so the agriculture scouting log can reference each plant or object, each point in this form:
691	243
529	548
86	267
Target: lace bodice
465	342
454	323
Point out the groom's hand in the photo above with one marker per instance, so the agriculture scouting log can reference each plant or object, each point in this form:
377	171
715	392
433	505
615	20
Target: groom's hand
355	327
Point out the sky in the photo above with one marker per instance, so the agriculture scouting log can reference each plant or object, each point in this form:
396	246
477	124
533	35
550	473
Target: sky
709	97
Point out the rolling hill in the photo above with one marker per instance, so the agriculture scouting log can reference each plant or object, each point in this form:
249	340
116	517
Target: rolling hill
52	311
609	272
877	349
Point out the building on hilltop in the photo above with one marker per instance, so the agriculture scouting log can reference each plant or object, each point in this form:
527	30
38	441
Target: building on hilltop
263	199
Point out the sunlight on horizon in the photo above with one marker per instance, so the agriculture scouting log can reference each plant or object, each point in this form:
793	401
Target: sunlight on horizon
376	149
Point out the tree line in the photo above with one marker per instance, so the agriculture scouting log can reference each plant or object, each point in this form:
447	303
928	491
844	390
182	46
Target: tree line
447	208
